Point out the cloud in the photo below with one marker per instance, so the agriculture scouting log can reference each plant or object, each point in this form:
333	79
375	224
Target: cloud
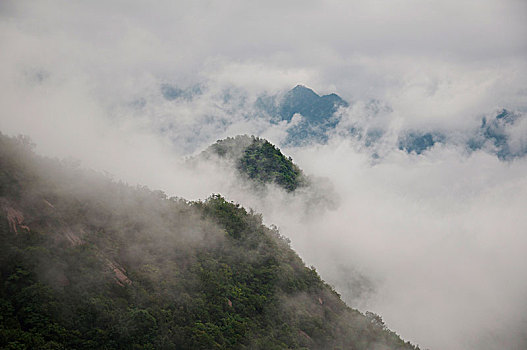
433	243
437	239
440	236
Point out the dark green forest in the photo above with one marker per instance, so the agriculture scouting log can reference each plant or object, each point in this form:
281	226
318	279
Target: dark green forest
90	263
260	161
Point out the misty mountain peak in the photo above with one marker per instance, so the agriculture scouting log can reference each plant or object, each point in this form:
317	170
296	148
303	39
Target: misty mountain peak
308	103
302	90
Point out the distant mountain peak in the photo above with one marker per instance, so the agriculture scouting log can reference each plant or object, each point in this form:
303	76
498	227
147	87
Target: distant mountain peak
303	88
300	87
311	105
318	112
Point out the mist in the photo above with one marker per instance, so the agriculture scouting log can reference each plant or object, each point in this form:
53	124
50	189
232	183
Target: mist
433	242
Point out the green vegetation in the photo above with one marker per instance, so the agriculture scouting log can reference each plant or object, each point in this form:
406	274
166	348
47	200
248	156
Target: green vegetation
261	161
88	263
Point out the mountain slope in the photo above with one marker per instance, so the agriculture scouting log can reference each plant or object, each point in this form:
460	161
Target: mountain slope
87	263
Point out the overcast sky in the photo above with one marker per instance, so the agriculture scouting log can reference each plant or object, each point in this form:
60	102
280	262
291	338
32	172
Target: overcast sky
440	236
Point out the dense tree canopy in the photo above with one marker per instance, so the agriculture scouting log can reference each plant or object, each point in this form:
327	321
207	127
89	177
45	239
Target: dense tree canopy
88	263
261	161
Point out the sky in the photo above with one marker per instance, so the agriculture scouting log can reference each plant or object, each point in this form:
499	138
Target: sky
434	241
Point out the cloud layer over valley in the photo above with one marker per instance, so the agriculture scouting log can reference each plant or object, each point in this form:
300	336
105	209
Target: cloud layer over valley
433	242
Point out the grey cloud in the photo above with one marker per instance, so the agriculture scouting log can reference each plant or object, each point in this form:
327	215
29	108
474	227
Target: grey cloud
439	237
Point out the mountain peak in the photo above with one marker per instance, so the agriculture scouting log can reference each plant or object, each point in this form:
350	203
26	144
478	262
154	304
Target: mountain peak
318	112
303	92
260	161
311	105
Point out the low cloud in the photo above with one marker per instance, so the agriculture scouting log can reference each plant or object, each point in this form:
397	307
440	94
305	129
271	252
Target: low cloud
433	242
440	236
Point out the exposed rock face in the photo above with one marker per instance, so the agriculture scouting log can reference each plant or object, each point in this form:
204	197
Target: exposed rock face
15	219
120	273
73	237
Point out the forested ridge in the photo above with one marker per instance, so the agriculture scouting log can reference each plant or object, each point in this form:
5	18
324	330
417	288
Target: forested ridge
90	263
260	161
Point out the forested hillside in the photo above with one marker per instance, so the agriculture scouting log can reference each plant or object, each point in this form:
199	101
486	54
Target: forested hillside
89	263
260	161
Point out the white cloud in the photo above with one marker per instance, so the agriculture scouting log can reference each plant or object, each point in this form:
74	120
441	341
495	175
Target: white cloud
440	235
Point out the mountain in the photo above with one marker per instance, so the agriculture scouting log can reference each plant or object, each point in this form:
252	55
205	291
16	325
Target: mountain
317	113
316	109
260	161
171	92
505	135
89	263
418	142
309	118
